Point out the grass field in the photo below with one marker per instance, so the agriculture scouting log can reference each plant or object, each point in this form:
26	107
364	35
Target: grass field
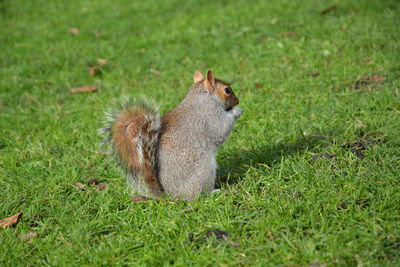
309	175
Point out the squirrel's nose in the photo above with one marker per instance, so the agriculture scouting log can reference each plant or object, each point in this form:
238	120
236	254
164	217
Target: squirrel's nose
235	101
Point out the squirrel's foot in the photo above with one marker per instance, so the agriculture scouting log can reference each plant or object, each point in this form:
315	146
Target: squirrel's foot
215	191
139	199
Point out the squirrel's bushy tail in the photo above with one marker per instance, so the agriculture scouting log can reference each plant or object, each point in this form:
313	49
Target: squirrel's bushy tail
133	132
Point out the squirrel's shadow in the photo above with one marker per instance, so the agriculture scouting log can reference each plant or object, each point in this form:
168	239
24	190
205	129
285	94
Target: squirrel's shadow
236	165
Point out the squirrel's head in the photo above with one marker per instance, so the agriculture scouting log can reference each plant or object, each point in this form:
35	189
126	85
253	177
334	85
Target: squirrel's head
218	88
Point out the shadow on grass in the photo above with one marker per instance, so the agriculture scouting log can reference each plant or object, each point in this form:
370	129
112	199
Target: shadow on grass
264	154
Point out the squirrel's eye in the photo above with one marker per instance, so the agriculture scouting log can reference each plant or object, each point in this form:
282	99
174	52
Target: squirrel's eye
227	90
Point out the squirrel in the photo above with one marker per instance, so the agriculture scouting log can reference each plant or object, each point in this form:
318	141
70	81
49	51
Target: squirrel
174	153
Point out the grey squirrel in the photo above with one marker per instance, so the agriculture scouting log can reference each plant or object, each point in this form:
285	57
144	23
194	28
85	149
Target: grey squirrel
175	153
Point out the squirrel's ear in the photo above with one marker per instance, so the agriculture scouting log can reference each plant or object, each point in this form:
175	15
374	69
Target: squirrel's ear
197	77
210	81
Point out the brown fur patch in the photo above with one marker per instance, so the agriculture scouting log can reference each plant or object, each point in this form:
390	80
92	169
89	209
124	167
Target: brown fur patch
149	175
169	122
230	99
125	133
221	91
125	130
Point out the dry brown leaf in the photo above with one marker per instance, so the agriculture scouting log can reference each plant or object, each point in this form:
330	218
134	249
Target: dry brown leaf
194	208
139	199
83	89
92	70
376	78
79	186
257	85
101	61
101	186
368	80
316	263
273	21
10	220
234	244
28	236
221	234
289	34
31	234
74	31
155	71
313	74
368	59
327	10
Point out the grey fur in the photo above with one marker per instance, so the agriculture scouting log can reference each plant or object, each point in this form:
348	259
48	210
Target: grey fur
188	166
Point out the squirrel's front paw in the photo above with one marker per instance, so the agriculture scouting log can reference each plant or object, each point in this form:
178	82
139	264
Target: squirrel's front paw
237	112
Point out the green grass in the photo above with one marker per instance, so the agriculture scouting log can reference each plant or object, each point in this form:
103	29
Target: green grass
282	202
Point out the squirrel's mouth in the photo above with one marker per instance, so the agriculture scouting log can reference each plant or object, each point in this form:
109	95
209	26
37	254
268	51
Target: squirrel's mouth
228	109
